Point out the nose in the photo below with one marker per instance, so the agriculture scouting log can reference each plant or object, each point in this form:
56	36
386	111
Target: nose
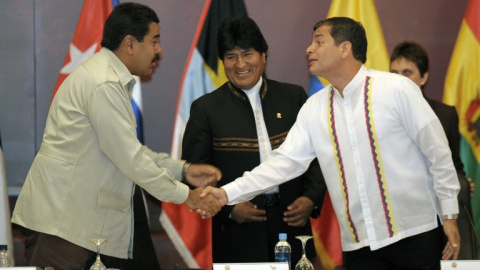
159	49
240	63
309	49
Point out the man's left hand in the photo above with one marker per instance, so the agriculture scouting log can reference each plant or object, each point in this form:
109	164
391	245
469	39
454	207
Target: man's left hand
452	248
298	213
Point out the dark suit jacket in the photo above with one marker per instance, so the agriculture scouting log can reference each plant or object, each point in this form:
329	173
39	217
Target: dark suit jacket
221	131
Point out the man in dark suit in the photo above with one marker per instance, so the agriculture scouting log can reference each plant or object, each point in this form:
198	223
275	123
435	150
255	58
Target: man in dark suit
236	127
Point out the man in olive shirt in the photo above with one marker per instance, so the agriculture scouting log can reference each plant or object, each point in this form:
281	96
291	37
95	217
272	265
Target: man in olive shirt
81	183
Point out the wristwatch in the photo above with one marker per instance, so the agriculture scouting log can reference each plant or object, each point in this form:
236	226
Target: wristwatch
450	217
185	169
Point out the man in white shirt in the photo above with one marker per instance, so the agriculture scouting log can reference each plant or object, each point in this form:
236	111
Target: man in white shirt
382	151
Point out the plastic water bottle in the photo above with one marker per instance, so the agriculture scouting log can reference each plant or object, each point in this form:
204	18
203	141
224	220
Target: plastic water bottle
283	250
5	260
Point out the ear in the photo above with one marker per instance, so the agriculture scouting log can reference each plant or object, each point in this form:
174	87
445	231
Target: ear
346	48
425	78
264	58
129	44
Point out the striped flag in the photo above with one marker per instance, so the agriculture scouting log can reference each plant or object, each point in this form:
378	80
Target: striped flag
5	225
462	89
325	228
203	73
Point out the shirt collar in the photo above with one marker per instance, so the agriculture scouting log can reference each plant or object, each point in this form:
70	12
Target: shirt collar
255	89
261	84
355	83
124	75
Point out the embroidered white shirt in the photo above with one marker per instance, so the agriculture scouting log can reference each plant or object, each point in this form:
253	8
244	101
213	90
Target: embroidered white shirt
382	151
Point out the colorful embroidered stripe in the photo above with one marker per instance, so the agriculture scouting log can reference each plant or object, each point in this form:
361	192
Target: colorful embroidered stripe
377	160
341	169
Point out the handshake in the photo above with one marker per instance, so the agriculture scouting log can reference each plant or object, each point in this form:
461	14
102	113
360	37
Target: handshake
205	200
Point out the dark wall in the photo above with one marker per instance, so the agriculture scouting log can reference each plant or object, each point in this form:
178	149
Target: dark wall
35	36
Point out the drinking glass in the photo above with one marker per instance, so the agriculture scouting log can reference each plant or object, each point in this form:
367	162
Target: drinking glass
98	265
304	263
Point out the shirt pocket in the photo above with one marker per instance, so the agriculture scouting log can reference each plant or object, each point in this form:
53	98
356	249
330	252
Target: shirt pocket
117	209
114	200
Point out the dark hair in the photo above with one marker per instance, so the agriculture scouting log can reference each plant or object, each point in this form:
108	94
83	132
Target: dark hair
414	52
127	19
240	32
345	29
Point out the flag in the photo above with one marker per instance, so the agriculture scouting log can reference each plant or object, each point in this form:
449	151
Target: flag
5	225
326	231
462	89
203	73
326	236
314	84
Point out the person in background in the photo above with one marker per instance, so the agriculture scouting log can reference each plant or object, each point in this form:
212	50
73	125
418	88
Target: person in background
411	60
81	183
381	148
234	128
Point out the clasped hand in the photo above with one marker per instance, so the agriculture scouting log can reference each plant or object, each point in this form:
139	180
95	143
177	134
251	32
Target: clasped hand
206	202
206	206
203	175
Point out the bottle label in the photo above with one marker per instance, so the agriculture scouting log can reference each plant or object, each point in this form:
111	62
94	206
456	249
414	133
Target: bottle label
283	257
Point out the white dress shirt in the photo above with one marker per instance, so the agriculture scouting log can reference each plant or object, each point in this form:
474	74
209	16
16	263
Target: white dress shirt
382	151
264	146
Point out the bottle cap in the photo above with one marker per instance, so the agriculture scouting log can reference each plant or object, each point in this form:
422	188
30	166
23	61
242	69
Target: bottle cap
3	247
282	236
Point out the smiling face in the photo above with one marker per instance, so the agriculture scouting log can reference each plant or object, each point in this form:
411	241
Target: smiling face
148	52
243	68
323	55
408	69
